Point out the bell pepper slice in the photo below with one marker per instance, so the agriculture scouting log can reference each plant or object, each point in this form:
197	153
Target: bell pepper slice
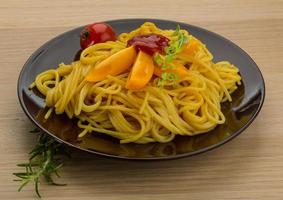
113	65
178	69
141	72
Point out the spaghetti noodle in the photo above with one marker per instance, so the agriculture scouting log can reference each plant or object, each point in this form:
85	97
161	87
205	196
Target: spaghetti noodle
152	114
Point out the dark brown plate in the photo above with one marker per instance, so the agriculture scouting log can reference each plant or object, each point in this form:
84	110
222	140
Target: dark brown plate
247	100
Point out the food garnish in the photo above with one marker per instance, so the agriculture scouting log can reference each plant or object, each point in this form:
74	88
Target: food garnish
44	162
96	33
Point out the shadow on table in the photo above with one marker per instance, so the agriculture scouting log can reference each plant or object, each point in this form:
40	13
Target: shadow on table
205	170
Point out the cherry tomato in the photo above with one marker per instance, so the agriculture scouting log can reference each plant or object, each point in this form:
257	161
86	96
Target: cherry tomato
96	33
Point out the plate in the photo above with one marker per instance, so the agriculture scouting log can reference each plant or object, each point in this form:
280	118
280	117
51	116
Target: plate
246	104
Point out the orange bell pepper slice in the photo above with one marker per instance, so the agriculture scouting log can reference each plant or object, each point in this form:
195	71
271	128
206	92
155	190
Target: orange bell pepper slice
141	72
179	69
113	65
191	47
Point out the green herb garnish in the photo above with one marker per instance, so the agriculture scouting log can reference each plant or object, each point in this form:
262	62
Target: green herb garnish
44	162
167	76
158	59
165	61
35	130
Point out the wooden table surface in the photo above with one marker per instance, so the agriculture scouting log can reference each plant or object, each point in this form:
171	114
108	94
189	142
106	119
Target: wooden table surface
249	167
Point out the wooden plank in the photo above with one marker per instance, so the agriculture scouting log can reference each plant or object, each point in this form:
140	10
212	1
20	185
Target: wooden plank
249	167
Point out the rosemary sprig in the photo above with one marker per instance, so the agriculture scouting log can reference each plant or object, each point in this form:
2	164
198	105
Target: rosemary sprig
44	162
165	62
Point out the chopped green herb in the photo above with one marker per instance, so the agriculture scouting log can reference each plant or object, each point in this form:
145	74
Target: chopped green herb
164	75
177	30
165	66
169	58
158	60
167	77
161	82
172	77
165	62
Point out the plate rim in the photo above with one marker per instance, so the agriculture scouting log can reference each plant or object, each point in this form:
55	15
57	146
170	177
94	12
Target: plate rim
187	154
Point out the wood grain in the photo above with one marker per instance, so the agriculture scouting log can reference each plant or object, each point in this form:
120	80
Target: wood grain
249	167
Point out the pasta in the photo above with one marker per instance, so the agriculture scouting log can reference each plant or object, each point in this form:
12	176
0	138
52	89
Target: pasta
189	106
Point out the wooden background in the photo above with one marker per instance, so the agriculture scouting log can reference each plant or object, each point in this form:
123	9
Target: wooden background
249	167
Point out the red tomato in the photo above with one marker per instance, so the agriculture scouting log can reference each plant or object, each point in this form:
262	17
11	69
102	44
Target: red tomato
96	33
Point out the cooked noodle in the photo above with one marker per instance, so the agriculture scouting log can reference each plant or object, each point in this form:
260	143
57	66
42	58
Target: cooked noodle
152	114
